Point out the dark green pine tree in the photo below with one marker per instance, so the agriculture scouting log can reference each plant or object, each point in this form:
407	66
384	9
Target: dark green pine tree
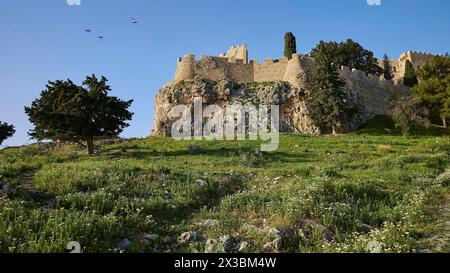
351	54
434	87
328	101
387	68
410	78
290	45
6	131
68	112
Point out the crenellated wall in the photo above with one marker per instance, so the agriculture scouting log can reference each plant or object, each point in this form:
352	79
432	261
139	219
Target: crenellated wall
417	59
221	68
234	65
369	93
270	70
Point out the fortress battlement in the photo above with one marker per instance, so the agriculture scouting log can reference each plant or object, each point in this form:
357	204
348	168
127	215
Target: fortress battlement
417	59
371	80
235	65
368	92
412	52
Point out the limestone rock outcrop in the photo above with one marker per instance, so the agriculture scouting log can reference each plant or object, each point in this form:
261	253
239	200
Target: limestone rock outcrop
232	78
293	114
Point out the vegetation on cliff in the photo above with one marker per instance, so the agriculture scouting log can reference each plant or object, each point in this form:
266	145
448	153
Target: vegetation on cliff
350	54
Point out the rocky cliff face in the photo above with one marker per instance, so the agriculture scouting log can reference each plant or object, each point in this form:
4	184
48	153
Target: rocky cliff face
368	95
293	113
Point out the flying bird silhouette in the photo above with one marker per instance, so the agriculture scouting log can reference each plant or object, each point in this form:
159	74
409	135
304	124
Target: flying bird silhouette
134	20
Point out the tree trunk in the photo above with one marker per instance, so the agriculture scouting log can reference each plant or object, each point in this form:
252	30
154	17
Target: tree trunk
444	122
90	146
333	130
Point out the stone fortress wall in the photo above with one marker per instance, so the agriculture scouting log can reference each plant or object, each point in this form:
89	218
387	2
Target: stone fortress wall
418	60
234	65
370	92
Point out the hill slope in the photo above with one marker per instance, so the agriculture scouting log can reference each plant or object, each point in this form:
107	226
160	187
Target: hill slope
364	191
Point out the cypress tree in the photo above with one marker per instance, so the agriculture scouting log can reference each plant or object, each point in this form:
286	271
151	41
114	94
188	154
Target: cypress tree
410	78
387	69
290	45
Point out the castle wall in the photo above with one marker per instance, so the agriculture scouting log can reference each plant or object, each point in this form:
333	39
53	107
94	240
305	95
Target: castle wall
214	68
270	70
241	72
239	52
185	68
418	60
369	91
219	68
234	65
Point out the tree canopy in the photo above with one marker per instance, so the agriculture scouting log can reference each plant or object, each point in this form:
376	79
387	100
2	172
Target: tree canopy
351	54
6	131
387	68
68	112
410	78
407	111
438	67
434	87
328	101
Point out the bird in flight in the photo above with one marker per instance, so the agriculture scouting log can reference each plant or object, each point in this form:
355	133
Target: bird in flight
134	20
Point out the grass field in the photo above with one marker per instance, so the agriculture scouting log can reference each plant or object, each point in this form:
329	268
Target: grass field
344	193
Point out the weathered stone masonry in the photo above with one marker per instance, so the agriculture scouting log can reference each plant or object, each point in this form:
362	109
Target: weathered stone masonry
240	70
369	92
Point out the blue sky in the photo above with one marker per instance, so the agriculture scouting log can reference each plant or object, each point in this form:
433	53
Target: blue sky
45	40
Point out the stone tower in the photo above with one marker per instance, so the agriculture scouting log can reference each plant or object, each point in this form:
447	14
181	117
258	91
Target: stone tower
294	71
417	59
185	68
239	52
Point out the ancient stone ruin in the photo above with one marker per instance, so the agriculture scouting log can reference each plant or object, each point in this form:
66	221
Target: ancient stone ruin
232	77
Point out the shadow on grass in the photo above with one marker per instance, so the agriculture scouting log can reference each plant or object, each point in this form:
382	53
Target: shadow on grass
246	155
385	126
25	190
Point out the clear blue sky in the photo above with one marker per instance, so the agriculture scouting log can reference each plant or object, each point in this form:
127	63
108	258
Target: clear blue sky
45	40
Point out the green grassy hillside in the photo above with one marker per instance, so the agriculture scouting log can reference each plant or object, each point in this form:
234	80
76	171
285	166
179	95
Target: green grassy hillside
316	194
